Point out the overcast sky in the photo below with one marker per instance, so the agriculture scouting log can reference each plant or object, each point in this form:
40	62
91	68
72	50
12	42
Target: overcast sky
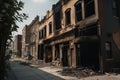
33	8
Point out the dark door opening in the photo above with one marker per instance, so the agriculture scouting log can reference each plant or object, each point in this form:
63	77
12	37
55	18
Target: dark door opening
48	54
88	55
40	52
65	55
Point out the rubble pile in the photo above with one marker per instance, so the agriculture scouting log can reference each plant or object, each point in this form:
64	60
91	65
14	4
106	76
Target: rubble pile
79	73
39	63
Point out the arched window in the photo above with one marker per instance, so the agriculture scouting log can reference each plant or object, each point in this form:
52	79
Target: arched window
50	27
78	11
68	16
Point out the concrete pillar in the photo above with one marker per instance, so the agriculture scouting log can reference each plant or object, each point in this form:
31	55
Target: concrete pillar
69	57
53	53
61	54
74	56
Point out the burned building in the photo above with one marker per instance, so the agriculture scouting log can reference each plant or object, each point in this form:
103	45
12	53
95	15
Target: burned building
45	33
33	37
81	33
25	40
29	40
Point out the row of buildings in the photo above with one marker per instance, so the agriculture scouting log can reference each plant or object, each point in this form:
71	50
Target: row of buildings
76	33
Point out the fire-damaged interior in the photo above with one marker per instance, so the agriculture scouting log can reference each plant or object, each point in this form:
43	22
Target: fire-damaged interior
40	52
88	55
65	48
88	47
48	54
57	51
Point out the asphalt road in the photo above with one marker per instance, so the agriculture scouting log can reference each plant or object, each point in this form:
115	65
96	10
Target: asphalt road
20	71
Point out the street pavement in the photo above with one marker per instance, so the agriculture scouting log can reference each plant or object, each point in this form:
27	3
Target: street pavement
25	72
20	71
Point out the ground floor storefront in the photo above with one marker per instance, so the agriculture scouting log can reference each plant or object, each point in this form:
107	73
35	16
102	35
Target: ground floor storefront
81	47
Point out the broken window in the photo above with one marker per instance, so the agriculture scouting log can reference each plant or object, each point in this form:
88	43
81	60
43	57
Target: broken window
89	8
57	20
108	48
68	16
43	32
78	11
50	27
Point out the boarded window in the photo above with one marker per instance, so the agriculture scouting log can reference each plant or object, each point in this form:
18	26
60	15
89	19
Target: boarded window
67	17
89	7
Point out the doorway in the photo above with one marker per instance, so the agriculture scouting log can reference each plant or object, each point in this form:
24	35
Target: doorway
88	54
65	54
40	52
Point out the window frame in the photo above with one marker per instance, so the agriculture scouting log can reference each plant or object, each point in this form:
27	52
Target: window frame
68	16
50	27
77	12
87	6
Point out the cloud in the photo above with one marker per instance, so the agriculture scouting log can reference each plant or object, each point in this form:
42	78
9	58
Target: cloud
39	1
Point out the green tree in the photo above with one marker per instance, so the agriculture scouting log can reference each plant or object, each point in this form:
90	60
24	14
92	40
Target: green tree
9	15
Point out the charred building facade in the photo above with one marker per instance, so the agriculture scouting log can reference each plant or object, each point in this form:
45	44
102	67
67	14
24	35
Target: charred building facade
81	33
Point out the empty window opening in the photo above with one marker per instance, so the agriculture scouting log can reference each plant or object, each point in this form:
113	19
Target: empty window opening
57	20
44	32
68	16
89	7
78	11
50	27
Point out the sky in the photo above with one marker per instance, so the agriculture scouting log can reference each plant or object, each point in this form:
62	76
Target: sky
33	8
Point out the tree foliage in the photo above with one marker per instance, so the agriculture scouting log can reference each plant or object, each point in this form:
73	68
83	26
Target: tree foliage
9	15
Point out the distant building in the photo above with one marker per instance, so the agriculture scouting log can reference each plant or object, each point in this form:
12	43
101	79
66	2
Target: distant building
25	41
29	38
18	45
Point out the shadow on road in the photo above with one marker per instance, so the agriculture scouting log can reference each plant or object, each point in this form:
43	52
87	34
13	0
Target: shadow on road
23	71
